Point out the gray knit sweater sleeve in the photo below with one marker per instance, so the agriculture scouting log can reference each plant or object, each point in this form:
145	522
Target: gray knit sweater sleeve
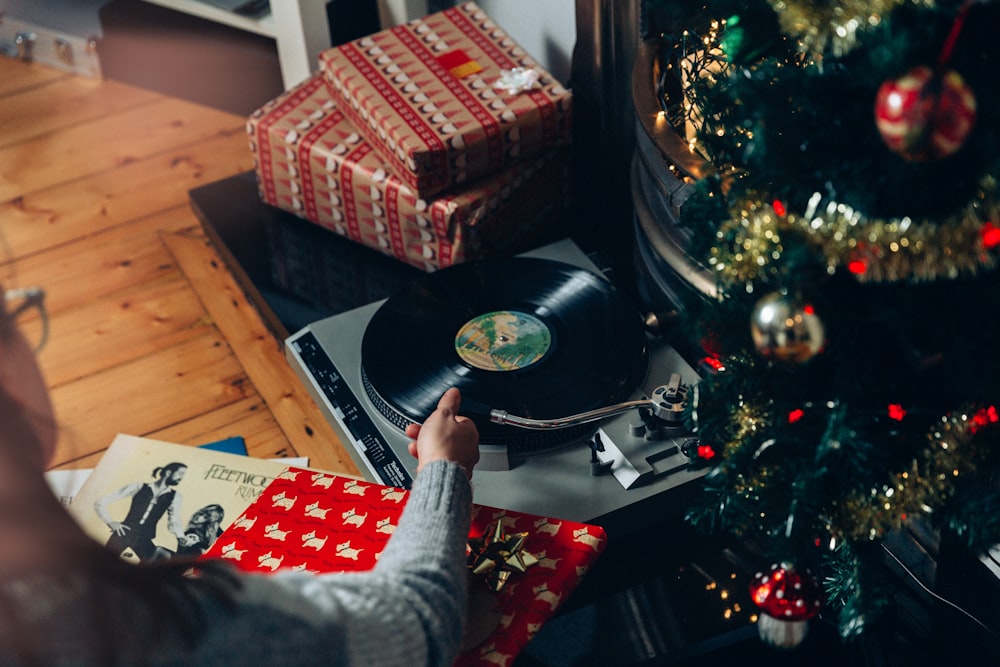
409	610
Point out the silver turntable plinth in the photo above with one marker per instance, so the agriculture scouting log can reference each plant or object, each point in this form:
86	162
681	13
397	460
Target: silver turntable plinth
556	482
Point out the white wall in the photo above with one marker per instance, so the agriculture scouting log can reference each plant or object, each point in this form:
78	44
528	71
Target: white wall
546	29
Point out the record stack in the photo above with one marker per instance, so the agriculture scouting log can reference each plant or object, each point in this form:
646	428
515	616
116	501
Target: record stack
433	142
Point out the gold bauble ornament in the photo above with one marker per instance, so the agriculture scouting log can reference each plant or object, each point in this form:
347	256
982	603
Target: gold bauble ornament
786	329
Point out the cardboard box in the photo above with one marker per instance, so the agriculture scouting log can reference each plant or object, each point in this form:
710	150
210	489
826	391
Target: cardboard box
424	96
311	161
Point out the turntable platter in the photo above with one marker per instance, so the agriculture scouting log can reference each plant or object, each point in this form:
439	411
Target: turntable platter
535	337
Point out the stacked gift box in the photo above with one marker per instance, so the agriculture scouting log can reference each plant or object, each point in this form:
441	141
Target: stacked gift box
433	142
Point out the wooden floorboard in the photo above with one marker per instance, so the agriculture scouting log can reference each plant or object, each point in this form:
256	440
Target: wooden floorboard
254	344
106	142
122	327
112	259
64	102
38	220
150	393
150	333
20	77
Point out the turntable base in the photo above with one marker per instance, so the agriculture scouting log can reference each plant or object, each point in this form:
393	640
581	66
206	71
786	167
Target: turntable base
556	482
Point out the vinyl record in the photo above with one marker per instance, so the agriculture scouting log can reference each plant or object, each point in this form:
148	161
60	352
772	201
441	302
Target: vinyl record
535	337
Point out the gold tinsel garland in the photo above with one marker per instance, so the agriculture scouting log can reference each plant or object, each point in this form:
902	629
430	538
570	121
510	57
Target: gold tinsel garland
874	249
749	420
747	424
750	245
823	26
922	488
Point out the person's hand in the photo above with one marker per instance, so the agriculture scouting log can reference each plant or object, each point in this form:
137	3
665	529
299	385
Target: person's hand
445	435
118	528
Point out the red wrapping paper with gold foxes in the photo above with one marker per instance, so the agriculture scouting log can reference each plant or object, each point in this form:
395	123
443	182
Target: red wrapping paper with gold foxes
423	95
318	522
312	162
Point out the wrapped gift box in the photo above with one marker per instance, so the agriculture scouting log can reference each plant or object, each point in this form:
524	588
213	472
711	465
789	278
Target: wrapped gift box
307	520
311	161
424	96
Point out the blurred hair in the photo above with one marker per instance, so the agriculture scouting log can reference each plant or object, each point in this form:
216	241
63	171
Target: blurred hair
165	591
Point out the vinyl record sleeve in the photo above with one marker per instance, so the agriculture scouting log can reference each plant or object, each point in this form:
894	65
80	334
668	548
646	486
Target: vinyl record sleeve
226	482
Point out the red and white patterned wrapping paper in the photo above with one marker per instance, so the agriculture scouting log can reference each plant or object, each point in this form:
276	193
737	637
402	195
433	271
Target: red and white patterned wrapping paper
423	94
311	161
318	522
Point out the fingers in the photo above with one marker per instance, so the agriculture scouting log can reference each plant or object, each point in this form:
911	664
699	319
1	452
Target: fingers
450	402
412	432
444	434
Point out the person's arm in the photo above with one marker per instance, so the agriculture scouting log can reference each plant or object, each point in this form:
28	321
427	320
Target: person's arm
174	518
422	572
411	608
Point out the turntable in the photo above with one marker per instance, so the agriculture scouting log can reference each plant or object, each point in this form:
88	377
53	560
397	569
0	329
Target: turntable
578	408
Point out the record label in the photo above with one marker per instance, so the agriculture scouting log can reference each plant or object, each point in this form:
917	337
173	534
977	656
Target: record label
503	340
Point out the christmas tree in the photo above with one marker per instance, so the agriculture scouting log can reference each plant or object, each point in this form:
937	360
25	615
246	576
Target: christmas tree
850	219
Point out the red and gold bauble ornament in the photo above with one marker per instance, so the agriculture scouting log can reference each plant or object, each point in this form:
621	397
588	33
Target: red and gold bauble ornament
925	114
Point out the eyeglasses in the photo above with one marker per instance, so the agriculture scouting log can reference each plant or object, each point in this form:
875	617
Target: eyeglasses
21	304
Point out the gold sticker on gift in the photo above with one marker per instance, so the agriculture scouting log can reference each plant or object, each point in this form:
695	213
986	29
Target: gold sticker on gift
459	64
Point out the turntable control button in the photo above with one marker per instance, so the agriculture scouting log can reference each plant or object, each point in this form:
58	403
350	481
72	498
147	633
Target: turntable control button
690	447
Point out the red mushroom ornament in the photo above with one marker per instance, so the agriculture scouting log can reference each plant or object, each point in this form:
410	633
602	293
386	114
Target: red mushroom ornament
787	599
